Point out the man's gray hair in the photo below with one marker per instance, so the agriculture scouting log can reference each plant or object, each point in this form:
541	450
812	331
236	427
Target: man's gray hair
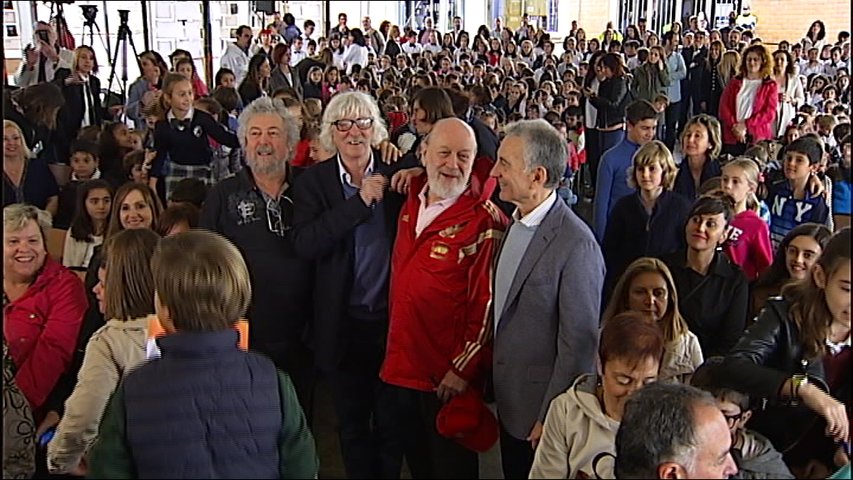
543	147
658	426
264	106
352	105
17	215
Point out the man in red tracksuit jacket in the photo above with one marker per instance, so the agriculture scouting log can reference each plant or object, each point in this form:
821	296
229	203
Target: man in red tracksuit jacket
441	290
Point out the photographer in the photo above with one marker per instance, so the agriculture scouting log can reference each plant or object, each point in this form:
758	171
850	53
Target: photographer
42	57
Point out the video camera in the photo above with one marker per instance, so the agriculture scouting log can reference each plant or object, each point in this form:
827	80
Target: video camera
90	12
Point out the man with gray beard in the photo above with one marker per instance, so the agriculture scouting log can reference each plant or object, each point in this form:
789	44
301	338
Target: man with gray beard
254	210
441	291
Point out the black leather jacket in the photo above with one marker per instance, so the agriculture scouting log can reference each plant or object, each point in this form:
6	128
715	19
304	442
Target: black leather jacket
610	101
768	354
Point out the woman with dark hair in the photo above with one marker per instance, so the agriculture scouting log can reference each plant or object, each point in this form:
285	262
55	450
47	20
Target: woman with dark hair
713	292
115	142
178	218
748	105
283	75
791	94
336	45
795	360
384	29
591	83
610	101
495	52
480	49
35	110
447	42
186	67
89	225
484	32
713	83
356	52
257	79
633	33
651	78
429	105
817	34
792	262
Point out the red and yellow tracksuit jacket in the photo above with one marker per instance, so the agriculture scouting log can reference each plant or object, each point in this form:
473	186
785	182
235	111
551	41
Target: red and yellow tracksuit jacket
441	288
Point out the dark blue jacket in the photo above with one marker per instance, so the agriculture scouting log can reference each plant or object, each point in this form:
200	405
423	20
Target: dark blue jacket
631	233
205	409
684	179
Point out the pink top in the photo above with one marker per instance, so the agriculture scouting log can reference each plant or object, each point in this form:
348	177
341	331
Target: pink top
749	245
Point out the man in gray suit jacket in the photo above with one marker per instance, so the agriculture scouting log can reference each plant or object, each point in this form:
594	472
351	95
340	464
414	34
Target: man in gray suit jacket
547	292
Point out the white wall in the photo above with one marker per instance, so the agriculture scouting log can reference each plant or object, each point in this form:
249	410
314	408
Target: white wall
474	14
377	11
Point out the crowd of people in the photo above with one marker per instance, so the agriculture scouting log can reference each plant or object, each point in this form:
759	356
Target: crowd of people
634	247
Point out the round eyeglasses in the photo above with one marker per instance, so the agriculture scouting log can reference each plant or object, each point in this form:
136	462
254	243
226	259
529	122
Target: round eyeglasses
344	125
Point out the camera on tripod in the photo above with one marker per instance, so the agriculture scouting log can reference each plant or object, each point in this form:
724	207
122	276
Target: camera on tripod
123	16
90	13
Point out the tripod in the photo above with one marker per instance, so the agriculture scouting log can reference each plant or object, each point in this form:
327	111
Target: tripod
124	37
57	14
90	13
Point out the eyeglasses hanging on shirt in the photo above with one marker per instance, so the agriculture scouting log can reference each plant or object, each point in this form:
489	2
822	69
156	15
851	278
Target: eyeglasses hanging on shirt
279	215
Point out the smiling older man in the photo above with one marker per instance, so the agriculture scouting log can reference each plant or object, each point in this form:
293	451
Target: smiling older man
254	210
440	295
346	219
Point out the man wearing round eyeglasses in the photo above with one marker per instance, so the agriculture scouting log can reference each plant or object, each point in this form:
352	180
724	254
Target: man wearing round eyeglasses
253	209
345	221
236	56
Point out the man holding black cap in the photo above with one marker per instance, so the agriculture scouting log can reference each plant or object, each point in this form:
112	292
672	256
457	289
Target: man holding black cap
441	289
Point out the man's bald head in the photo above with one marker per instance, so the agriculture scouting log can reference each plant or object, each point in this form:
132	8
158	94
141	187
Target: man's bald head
450	149
452	129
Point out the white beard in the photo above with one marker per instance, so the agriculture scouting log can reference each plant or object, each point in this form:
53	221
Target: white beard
445	188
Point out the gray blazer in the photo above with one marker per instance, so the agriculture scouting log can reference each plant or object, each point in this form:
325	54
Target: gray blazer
548	330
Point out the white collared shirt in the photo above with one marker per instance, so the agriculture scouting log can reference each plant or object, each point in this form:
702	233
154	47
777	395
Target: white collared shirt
170	115
96	175
346	178
836	347
535	217
428	213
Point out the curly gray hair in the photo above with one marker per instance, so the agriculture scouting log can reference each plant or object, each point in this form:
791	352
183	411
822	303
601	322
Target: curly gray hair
265	106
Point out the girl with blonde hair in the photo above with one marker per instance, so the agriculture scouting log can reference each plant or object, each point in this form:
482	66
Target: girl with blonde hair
748	244
647	288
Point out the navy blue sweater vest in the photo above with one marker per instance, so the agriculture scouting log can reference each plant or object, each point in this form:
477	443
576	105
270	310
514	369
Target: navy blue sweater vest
205	409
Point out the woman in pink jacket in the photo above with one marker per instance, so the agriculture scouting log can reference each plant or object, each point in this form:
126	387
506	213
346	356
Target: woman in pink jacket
748	105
